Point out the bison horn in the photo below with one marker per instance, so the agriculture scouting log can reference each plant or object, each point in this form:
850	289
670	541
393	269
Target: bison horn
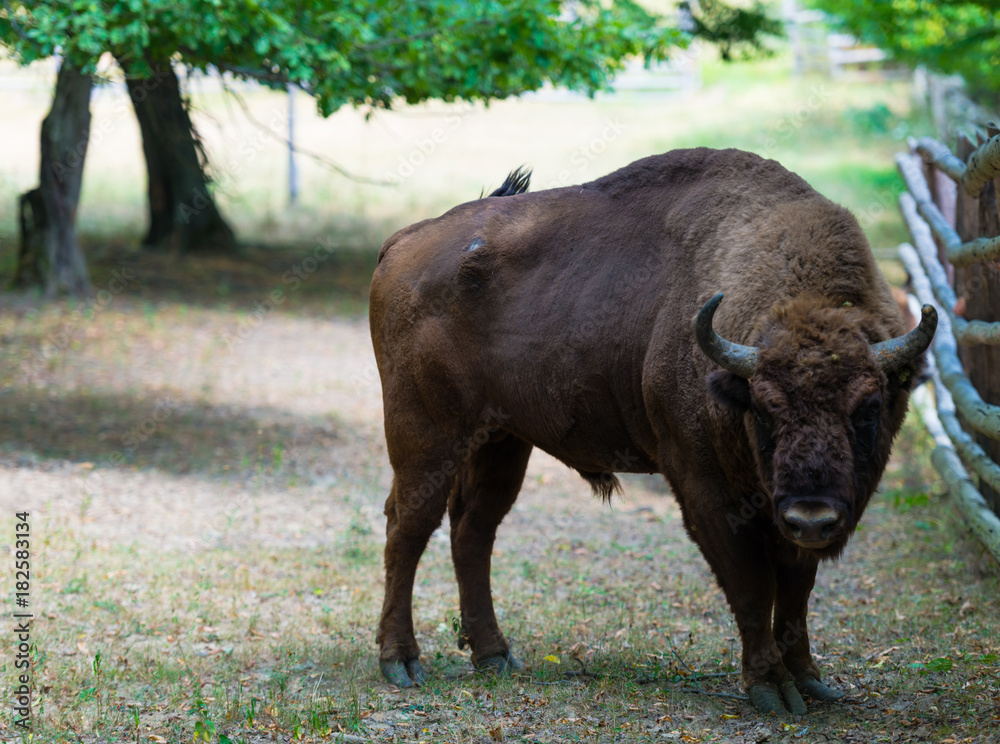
738	359
896	353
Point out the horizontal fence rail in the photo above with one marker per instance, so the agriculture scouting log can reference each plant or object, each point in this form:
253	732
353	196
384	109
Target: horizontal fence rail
983	165
955	449
965	331
956	406
945	357
959	253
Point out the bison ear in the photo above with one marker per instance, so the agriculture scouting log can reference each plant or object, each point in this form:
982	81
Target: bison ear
729	389
913	374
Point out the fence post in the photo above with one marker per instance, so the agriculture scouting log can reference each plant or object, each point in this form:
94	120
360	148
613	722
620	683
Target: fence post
943	192
979	284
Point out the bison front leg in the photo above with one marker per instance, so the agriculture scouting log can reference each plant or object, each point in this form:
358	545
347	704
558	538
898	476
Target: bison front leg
795	583
487	488
738	554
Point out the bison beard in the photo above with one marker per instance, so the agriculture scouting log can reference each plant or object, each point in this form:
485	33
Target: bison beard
585	321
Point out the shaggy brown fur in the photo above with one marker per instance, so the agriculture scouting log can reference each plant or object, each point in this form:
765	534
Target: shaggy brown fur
564	320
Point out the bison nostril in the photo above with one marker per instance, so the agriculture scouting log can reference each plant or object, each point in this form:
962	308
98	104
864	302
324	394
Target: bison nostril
794	525
810	526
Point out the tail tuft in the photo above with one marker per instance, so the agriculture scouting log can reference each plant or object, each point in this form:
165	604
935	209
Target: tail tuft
605	485
517	182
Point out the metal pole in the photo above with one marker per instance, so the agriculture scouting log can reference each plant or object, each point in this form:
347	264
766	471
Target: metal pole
293	174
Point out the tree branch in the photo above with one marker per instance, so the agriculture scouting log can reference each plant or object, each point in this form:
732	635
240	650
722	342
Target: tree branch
264	76
308	153
17	26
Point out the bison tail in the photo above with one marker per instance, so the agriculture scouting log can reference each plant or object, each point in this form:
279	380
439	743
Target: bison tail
604	485
517	182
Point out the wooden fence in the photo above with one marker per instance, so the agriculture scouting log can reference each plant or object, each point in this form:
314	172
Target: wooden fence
817	49
952	210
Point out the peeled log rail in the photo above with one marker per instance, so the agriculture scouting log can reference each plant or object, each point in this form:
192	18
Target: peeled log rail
970	502
910	170
938	153
941	426
966	332
927	250
973	507
983	164
980	415
959	253
971	453
980	249
945	428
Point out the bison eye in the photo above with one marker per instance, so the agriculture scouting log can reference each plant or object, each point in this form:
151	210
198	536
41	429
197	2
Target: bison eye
762	420
763	425
866	415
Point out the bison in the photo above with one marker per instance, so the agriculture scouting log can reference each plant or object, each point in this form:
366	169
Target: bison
589	321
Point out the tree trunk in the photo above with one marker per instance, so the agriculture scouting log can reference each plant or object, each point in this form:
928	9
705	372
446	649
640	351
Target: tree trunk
182	213
49	255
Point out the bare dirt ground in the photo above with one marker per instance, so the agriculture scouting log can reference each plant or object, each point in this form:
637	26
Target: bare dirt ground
205	489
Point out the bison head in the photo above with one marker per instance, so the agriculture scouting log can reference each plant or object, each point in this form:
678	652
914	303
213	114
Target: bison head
820	405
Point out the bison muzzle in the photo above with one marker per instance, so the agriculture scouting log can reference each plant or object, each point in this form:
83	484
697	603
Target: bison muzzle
589	321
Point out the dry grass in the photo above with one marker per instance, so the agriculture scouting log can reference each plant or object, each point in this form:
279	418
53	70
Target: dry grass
206	513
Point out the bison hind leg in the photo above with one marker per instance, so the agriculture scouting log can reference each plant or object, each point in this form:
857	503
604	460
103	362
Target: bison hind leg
606	485
414	509
487	487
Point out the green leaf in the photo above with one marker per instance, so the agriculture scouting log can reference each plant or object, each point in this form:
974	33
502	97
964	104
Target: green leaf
940	664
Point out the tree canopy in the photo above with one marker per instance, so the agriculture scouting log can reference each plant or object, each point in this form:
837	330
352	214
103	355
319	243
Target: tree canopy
953	37
366	52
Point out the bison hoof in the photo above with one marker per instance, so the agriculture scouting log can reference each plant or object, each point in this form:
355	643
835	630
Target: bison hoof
767	699
500	665
404	673
819	691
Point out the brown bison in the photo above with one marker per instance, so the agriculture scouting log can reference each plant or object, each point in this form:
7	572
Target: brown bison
588	321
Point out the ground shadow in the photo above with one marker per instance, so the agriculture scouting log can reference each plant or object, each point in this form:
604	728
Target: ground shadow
176	436
314	280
